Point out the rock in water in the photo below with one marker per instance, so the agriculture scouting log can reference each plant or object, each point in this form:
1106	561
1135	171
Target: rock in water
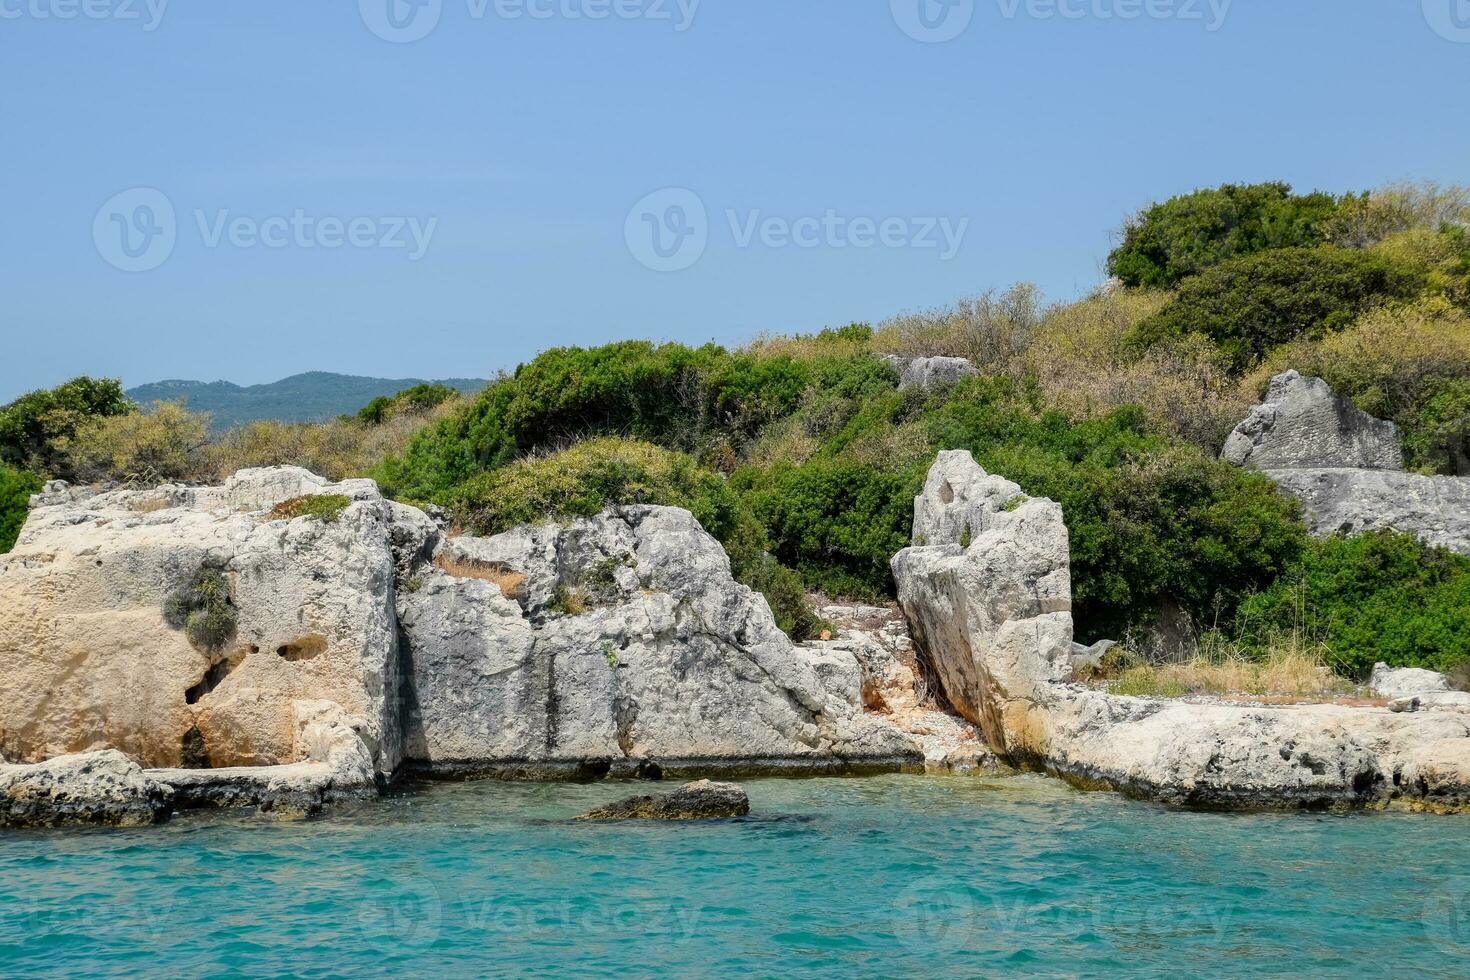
703	800
1303	423
101	788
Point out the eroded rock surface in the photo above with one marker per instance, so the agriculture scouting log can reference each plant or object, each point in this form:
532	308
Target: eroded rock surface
1346	467
991	616
930	373
703	800
617	644
1303	423
88	659
96	788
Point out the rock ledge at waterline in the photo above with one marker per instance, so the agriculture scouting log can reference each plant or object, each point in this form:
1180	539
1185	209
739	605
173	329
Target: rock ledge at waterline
371	641
994	617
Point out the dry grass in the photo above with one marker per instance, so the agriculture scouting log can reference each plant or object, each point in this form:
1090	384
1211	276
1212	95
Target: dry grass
506	578
1292	671
992	330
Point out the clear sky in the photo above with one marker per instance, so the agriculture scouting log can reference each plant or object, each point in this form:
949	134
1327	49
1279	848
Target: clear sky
849	166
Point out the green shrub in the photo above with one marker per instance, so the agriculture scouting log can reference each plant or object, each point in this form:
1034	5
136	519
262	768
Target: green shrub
1370	598
16	487
1250	305
416	400
33	427
202	608
1186	235
326	506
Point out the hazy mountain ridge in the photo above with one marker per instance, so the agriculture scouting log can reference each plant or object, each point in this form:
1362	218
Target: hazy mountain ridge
310	397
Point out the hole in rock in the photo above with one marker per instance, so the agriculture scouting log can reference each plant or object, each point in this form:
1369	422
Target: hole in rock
303	648
193	754
946	493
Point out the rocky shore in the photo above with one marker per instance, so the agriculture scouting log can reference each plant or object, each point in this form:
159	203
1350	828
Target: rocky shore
186	647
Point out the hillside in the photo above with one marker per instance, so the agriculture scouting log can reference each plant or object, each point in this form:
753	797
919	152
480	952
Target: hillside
311	397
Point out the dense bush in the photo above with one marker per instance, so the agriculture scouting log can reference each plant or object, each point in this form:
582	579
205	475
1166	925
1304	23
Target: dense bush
326	507
202	608
164	445
1186	235
412	401
1375	597
16	487
1150	523
1250	305
34	426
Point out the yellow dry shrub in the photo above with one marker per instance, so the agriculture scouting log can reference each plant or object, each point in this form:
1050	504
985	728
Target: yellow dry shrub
166	444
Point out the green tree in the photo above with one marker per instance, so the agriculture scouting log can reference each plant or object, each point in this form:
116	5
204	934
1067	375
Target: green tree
16	487
34	427
1186	235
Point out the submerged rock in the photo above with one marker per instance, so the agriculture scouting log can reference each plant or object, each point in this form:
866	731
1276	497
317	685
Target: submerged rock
993	618
703	800
96	788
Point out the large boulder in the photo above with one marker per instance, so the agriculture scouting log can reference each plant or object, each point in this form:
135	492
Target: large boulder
1303	423
987	590
930	373
1435	509
100	788
619	644
91	657
1402	682
989	612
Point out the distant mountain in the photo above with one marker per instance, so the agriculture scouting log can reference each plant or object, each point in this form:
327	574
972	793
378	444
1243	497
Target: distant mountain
312	397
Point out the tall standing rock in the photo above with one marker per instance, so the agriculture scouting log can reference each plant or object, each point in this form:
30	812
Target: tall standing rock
1303	423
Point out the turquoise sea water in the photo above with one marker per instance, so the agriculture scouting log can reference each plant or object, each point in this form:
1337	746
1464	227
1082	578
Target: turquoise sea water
866	877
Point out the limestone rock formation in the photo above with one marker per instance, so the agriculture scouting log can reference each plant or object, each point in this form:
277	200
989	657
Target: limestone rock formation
1346	467
102	788
930	373
991	617
615	644
299	610
702	800
1400	682
1435	509
1303	423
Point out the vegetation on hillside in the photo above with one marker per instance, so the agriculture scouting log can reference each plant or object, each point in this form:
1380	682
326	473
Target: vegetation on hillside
802	455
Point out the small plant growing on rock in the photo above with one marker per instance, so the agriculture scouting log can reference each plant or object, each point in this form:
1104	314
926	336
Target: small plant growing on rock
569	601
610	654
201	607
327	506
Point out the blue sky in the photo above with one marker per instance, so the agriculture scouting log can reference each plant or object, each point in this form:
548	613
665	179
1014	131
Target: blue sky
518	146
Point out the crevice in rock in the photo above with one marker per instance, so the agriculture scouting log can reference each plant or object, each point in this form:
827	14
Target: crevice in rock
213	677
192	751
